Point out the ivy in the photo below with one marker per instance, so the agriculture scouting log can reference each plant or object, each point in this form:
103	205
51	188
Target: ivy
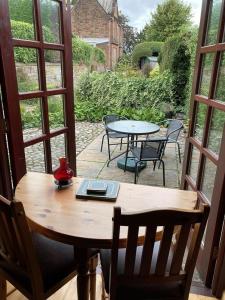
134	97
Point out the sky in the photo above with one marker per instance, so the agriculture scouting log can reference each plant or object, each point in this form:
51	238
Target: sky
138	11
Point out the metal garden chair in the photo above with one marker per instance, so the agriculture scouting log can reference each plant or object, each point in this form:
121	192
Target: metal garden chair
112	134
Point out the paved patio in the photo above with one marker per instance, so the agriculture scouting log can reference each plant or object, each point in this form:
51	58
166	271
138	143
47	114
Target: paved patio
92	163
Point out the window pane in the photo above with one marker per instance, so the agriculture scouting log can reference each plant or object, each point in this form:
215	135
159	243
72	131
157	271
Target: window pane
58	149
213	23
195	157
53	68
27	69
31	118
50	14
35	158
56	112
216	130
207	63
220	90
209	179
200	121
22	21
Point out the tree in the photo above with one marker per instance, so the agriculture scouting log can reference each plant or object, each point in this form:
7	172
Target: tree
129	32
170	18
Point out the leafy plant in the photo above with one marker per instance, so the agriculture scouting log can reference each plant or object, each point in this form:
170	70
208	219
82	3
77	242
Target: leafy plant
133	97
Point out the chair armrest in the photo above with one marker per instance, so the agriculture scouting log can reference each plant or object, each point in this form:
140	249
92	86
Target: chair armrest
157	139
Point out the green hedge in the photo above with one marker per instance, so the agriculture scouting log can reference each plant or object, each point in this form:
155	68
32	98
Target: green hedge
145	49
85	53
176	57
22	30
134	97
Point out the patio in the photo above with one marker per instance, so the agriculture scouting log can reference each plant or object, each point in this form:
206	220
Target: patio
92	163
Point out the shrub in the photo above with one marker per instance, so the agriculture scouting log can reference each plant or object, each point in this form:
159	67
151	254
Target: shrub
176	58
83	53
145	49
133	97
22	30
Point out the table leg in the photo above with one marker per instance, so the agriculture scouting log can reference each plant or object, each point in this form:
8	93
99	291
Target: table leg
82	277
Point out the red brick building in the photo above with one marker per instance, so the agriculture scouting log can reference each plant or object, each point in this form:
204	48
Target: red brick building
96	21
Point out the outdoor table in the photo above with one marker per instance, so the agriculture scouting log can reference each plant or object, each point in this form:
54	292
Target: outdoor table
59	215
132	128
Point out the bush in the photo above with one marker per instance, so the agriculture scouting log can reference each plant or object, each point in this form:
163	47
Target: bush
83	53
176	58
145	49
135	97
22	30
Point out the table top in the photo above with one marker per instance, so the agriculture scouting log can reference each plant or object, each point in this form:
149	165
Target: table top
133	127
59	215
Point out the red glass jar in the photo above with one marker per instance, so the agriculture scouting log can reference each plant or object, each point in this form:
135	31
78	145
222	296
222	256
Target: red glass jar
63	174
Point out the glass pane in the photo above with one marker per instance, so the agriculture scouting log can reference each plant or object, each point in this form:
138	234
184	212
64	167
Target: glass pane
216	130
50	14
56	112
209	179
22	21
200	121
58	149
207	63
27	69
31	118
220	90
213	24
195	158
35	158
53	69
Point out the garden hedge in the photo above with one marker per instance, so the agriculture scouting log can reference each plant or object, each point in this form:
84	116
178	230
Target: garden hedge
133	97
145	49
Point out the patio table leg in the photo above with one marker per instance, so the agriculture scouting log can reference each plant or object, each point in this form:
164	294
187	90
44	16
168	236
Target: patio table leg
82	276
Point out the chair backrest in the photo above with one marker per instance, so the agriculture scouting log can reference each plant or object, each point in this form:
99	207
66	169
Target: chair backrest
112	118
17	254
186	224
174	129
148	148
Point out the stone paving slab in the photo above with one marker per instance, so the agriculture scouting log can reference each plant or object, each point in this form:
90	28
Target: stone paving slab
91	157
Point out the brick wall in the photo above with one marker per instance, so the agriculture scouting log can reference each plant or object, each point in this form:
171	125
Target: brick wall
89	20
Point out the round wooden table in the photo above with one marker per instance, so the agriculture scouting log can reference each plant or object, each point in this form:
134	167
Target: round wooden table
88	224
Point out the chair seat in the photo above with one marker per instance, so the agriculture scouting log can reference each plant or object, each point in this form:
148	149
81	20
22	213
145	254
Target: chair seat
115	135
148	292
56	261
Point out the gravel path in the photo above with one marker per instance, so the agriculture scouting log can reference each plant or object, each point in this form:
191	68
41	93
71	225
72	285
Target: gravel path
85	133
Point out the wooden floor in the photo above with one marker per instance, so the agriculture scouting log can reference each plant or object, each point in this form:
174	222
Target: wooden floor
68	292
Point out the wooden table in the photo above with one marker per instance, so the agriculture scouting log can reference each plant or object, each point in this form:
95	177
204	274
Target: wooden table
88	224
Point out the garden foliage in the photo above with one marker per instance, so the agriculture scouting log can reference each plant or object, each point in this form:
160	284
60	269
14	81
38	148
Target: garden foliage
145	49
83	53
133	97
176	57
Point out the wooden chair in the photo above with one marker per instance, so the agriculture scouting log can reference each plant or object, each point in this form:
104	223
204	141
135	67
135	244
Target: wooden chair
34	264
155	270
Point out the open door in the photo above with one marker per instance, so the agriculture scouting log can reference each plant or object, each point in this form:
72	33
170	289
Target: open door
36	53
204	163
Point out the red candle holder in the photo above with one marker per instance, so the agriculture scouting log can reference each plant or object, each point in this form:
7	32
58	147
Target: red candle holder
63	174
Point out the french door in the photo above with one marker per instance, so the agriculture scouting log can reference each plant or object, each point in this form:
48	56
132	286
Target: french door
36	55
204	163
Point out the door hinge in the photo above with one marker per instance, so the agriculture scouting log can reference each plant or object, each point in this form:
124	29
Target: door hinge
215	253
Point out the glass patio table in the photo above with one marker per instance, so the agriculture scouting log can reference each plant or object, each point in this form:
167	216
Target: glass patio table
59	215
132	128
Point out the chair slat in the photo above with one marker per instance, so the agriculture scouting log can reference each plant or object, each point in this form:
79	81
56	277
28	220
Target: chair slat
180	249
164	250
5	235
131	249
148	250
